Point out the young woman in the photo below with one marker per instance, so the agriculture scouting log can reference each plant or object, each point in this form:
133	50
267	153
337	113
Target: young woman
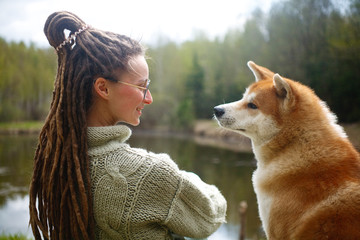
87	182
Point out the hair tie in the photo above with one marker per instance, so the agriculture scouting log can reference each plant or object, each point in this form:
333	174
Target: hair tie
71	37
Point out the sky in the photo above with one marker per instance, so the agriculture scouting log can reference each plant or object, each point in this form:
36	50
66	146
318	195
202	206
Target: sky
145	20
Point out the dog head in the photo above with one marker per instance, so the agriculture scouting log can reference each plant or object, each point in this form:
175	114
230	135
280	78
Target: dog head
258	114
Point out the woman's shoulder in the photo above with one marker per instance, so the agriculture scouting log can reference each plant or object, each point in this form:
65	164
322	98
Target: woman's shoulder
156	159
123	156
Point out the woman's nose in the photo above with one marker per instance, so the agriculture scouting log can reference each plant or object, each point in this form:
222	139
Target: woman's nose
148	98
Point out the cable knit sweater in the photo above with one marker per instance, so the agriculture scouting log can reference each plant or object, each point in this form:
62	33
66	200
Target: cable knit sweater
142	195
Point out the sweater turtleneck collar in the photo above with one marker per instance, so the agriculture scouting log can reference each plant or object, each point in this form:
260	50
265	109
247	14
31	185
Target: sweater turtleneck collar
98	136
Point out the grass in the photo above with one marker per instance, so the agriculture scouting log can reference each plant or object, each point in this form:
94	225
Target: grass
14	237
20	127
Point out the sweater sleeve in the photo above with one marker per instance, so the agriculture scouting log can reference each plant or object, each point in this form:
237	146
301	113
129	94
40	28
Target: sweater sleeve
198	209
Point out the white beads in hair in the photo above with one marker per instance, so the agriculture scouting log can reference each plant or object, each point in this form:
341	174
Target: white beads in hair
71	38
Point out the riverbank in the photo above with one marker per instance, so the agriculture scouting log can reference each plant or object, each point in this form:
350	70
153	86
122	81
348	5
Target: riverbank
19	128
205	132
211	133
208	132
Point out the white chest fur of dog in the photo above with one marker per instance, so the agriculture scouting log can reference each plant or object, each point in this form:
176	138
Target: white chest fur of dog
307	180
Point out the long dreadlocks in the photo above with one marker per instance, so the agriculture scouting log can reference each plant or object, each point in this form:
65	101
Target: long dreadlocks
60	190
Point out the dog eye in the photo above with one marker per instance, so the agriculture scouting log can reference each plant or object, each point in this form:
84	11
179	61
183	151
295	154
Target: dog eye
252	106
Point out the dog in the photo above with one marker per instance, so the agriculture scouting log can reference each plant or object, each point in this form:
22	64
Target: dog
307	179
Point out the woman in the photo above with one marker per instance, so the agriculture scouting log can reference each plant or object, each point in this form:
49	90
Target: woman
87	182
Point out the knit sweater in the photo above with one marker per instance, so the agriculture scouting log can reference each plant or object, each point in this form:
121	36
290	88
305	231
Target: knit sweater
143	195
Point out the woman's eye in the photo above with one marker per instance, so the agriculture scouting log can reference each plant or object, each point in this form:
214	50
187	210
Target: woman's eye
252	106
143	85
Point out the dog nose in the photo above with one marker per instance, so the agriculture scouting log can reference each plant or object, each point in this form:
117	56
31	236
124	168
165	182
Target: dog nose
219	111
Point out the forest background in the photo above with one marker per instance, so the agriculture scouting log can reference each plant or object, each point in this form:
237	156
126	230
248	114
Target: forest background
316	42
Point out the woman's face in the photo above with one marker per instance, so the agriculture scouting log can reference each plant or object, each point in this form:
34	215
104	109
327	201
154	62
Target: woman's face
125	103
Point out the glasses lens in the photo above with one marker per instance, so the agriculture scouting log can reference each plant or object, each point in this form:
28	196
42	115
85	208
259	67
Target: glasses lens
147	87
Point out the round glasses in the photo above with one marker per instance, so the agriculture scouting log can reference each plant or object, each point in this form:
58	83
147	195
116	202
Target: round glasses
145	89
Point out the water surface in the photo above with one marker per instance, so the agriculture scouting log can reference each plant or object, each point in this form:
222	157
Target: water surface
230	171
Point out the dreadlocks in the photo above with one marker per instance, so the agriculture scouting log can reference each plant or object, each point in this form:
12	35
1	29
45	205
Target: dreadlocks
60	190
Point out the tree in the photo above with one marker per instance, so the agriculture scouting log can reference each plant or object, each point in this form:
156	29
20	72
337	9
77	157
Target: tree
26	80
194	87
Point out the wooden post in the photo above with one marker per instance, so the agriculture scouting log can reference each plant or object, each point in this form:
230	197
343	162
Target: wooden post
242	213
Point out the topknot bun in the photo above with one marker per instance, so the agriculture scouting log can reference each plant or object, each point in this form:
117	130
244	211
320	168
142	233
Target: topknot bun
57	23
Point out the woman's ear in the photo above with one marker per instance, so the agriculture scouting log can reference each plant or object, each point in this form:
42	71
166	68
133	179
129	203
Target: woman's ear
101	87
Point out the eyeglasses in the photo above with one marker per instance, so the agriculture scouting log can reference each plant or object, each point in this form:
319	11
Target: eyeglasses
145	89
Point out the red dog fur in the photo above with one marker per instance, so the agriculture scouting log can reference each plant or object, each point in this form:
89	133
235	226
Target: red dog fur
307	179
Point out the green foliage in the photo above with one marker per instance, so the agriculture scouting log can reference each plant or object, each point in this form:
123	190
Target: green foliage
194	87
26	80
185	115
314	42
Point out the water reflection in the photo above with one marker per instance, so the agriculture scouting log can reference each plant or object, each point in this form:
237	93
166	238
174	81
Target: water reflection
16	154
14	216
230	171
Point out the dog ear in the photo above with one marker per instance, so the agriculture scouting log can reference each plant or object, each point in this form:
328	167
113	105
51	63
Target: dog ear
283	89
260	73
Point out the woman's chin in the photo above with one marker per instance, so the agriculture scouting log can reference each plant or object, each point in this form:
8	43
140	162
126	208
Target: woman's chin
134	123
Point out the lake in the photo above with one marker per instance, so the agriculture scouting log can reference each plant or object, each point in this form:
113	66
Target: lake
229	170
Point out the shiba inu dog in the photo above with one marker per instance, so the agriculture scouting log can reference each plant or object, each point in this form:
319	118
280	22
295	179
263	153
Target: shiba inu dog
307	180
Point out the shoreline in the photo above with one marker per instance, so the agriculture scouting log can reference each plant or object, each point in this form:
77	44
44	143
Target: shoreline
18	131
205	132
208	132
